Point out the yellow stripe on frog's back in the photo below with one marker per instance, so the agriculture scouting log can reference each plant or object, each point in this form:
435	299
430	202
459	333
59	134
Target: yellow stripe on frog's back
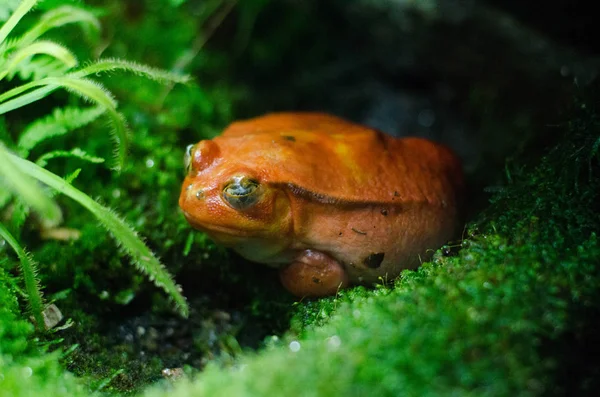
346	157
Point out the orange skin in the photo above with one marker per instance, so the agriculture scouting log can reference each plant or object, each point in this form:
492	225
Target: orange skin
327	202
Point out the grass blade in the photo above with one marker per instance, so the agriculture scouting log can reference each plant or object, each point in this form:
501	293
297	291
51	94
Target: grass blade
28	268
25	99
25	187
14	19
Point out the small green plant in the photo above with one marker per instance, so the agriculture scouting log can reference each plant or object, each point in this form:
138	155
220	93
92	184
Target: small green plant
26	184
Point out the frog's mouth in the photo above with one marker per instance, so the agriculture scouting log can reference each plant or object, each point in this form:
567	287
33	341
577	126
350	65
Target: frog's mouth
218	232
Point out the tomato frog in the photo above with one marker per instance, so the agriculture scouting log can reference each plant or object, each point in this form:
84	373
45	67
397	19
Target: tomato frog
327	202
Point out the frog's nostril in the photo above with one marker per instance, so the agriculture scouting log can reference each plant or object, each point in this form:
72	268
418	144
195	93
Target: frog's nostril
200	194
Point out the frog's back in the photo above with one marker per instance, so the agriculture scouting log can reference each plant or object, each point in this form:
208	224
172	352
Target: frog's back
332	160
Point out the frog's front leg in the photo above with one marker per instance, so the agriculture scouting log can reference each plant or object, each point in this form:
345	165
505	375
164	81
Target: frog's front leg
313	274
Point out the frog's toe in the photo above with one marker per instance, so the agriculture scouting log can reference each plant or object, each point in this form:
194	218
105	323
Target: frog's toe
313	274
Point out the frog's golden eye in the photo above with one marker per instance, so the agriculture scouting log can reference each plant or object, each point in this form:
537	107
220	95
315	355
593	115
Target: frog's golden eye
241	192
187	158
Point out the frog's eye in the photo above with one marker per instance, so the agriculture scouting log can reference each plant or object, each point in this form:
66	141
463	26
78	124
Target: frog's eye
241	192
187	158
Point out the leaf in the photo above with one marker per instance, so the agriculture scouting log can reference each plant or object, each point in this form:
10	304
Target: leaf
29	270
72	176
109	65
10	24
73	153
26	188
40	67
20	212
85	88
93	91
20	61
5	197
59	17
7	7
60	122
25	99
124	234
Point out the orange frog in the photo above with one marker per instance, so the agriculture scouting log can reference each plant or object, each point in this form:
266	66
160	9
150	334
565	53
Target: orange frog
327	202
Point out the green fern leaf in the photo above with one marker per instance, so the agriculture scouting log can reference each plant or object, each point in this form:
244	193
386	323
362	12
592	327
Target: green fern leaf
112	64
21	61
20	212
5	197
40	67
60	122
95	92
59	17
74	153
6	48
72	176
29	270
12	178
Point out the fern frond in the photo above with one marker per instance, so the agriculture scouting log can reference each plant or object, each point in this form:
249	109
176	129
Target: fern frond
57	17
6	48
20	212
95	92
5	197
41	67
69	178
26	188
110	65
125	235
73	153
29	270
101	66
18	60
60	122
119	134
87	89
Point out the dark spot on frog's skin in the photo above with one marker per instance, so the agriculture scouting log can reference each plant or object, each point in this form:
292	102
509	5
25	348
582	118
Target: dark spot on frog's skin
373	261
340	234
289	138
316	280
396	194
384	212
359	231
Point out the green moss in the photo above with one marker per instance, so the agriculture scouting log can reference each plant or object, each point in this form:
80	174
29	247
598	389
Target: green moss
24	368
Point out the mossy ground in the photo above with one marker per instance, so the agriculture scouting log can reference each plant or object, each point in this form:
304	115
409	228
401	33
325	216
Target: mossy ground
511	311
